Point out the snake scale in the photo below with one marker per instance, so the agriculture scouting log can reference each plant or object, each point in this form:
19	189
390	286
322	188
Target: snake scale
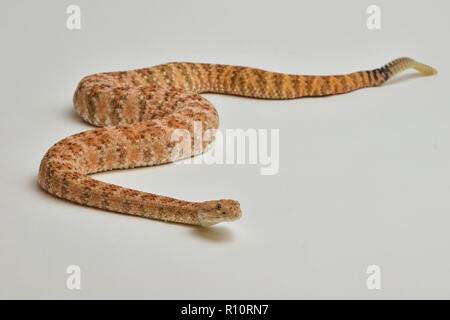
137	113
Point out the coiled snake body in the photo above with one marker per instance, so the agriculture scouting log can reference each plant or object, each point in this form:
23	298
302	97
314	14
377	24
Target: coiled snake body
138	112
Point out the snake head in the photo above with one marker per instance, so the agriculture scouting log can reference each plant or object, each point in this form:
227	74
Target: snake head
213	212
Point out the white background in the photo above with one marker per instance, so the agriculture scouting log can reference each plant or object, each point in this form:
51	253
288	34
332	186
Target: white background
364	177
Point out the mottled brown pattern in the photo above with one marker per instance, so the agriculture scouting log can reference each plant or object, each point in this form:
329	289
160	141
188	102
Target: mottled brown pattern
139	110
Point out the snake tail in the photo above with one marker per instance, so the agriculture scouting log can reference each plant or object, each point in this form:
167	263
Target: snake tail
401	64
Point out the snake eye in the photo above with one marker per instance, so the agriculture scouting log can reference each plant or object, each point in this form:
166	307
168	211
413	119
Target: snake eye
219	206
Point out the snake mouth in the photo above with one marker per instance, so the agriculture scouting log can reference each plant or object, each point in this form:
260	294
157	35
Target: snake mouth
206	220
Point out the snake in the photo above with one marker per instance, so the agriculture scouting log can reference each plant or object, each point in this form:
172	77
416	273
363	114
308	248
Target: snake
138	112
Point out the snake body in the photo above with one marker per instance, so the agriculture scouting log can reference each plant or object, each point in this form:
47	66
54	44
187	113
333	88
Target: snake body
137	113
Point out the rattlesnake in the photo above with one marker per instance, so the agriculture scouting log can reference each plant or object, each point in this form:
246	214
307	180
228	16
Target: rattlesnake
138	112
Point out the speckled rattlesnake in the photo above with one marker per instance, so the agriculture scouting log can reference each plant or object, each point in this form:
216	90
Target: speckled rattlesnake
139	110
